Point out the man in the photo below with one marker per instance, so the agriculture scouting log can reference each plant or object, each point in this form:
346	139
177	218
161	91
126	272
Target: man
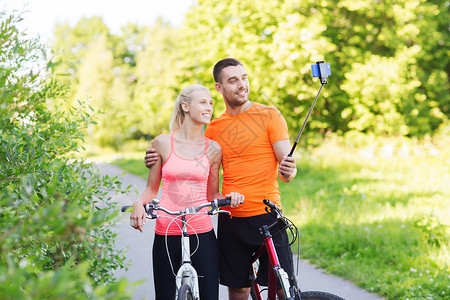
255	144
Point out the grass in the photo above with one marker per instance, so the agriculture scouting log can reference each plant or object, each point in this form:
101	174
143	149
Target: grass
378	215
133	165
379	218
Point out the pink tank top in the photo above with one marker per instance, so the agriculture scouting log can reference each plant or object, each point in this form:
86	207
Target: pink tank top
185	183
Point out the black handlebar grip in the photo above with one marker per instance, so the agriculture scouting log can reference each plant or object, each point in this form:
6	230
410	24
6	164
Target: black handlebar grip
125	207
270	204
223	202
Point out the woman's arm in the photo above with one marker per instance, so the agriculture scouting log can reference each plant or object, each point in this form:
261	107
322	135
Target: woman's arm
137	217
215	159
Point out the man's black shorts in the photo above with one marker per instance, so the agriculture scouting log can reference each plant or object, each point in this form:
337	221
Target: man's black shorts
238	239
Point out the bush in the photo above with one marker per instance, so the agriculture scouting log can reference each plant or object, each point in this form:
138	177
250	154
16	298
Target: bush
55	236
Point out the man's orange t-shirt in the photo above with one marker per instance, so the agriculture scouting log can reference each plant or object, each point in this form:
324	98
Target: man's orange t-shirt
250	166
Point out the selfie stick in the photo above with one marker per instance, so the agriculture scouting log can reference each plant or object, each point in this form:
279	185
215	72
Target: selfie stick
321	70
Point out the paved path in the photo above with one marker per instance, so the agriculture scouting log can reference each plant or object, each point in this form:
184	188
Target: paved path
139	255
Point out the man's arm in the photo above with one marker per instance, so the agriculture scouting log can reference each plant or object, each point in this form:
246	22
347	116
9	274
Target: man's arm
287	168
151	157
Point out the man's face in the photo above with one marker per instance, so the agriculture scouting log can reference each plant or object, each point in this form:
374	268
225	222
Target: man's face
234	86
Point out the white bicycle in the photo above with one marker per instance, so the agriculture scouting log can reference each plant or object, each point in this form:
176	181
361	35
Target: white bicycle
186	279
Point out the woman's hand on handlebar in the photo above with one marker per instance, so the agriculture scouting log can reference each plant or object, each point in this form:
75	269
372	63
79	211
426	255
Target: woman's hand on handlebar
236	199
138	216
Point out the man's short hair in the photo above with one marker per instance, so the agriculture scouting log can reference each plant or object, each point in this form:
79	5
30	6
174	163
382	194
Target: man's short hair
221	64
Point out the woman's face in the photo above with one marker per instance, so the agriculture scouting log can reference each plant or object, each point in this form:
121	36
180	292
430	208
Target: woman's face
201	106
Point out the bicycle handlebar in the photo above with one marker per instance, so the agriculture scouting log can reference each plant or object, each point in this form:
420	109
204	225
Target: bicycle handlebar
281	220
154	205
270	204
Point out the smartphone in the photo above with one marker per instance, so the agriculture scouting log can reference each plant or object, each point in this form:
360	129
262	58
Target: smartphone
321	69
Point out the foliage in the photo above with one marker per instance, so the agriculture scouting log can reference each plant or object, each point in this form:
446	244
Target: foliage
131	77
389	63
56	240
377	51
156	74
88	55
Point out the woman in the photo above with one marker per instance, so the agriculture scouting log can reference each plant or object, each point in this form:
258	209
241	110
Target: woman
188	165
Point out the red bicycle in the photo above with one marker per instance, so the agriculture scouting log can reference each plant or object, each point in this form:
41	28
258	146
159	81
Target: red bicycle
288	285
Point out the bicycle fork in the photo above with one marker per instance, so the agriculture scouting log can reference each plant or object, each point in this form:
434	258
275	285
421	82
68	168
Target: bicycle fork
275	271
186	273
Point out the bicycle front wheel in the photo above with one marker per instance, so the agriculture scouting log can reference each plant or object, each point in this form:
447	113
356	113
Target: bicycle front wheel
185	293
315	295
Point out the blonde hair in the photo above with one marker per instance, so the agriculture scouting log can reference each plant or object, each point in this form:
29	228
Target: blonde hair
185	96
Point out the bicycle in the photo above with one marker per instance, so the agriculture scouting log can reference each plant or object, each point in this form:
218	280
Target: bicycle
288	285
186	279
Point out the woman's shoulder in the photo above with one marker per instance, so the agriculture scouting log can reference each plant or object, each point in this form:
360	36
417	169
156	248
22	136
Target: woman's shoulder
161	141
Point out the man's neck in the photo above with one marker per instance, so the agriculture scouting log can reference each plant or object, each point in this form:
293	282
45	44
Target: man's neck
238	109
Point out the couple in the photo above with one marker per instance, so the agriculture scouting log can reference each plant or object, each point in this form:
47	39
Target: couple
251	142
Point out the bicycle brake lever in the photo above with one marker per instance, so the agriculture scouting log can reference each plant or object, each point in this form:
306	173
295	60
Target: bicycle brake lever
272	212
215	211
149	210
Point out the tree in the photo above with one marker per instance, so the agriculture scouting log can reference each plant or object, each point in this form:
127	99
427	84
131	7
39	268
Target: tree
363	42
388	59
55	239
100	67
157	84
395	49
